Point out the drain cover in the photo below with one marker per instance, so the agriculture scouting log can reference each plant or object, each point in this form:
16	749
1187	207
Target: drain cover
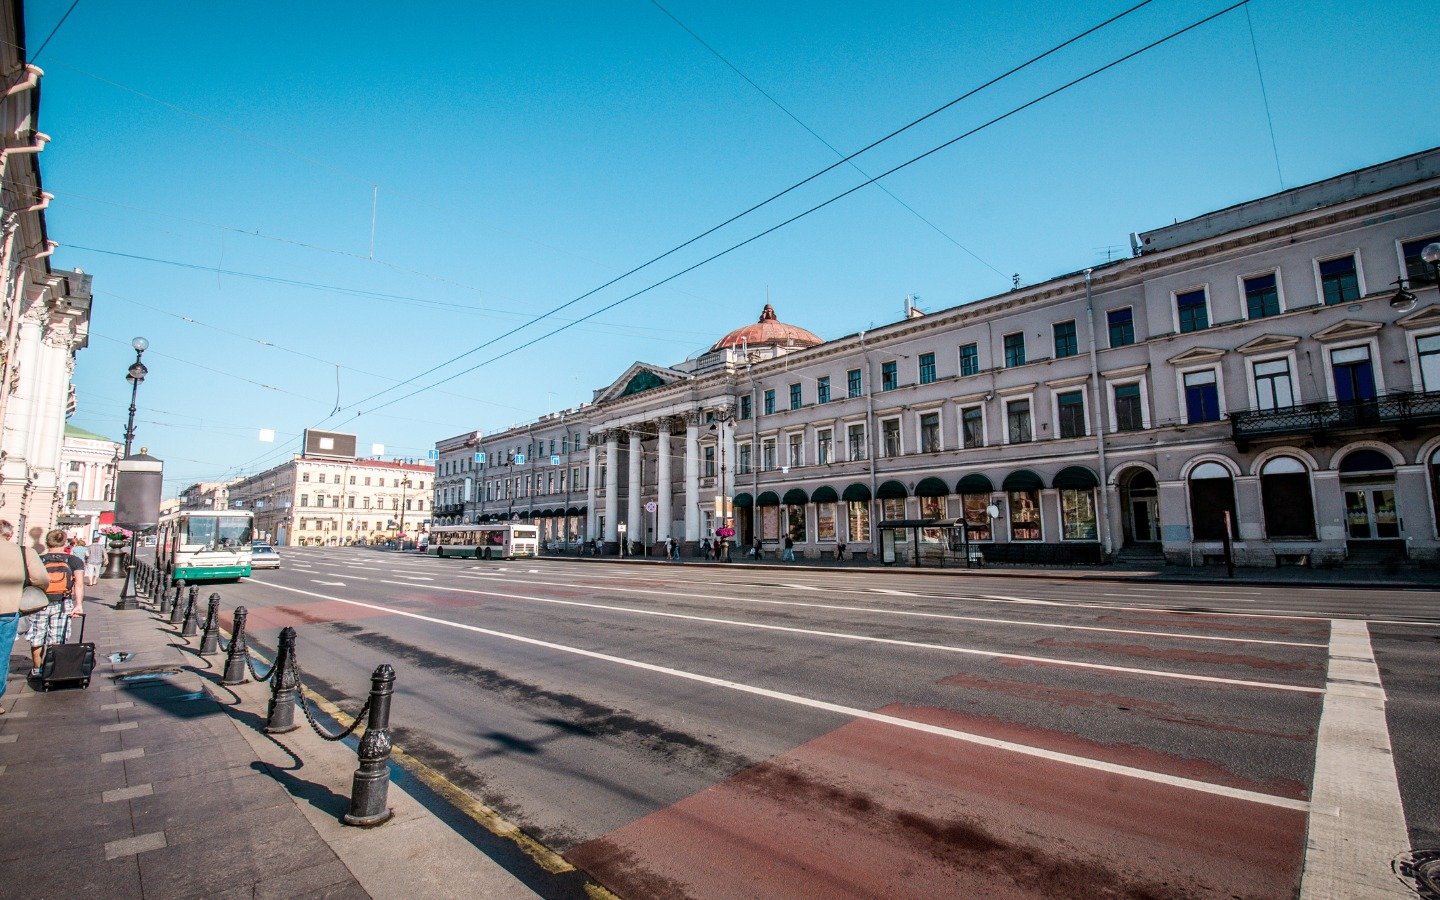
121	656
1420	870
153	673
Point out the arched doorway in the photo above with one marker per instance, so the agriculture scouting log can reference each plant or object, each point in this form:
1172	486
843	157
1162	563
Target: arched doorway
1367	482
1140	500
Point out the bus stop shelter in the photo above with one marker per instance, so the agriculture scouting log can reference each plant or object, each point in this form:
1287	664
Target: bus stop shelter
938	541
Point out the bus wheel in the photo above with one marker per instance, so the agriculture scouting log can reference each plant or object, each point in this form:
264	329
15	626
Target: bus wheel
439	552
487	552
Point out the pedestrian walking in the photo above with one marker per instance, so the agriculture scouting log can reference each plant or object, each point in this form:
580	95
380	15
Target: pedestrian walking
705	551
15	563
789	555
840	551
674	549
755	549
66	587
94	559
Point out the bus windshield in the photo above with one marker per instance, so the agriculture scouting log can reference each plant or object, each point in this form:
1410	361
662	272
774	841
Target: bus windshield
217	532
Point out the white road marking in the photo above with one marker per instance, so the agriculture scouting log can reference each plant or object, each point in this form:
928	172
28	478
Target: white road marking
330	583
892	592
1357	823
351	577
927	615
411	577
968	651
852	712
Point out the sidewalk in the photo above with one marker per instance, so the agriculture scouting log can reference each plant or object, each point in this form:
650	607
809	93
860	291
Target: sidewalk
157	782
1408	577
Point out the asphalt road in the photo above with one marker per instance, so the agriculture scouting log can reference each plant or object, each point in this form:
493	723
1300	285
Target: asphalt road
744	732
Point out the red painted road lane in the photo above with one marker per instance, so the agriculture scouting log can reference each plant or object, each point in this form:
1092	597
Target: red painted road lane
268	618
870	810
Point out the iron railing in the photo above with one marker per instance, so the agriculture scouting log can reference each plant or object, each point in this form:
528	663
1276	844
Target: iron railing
1402	410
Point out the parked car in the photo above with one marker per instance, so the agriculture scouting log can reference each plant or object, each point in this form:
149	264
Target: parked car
263	556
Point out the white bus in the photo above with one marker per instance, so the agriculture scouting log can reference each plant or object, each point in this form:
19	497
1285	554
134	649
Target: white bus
206	546
501	540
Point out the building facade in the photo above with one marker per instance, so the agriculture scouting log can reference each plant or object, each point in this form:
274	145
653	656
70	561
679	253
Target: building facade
87	481
1268	372
330	502
206	495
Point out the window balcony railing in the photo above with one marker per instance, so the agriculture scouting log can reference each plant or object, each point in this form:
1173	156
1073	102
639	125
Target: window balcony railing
448	509
1402	410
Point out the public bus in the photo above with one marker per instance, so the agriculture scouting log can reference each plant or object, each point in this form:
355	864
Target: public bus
500	540
206	546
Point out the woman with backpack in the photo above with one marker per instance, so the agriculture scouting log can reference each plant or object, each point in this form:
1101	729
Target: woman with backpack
66	586
15	563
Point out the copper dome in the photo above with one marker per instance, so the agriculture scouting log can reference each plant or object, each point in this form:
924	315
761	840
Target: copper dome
768	332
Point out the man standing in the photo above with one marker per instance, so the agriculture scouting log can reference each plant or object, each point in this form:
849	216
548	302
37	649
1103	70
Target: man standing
67	595
789	555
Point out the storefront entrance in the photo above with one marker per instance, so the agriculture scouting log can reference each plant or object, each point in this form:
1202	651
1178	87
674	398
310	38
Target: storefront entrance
1140	497
1367	482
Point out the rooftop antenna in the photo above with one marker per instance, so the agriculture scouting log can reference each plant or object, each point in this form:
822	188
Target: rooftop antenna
1015	282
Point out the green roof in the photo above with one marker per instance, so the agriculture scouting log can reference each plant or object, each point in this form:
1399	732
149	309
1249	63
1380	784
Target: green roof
82	434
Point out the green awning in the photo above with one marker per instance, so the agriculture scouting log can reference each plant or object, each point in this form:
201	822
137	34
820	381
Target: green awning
769	498
931	487
1076	478
575	511
796	497
1022	480
974	483
856	493
824	495
743	501
891	490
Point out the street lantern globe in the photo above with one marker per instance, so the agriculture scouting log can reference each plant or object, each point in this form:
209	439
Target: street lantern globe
140	344
137	372
1402	299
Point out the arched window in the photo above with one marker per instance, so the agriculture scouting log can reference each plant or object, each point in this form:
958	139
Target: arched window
1286	498
1435	485
1212	495
72	493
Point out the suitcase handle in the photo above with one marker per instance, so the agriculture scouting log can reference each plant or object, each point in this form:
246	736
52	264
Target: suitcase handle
65	638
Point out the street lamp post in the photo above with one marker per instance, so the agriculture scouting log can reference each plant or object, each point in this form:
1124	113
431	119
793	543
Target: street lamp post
135	375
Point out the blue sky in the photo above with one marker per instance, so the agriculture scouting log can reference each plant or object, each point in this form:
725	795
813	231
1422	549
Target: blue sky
524	154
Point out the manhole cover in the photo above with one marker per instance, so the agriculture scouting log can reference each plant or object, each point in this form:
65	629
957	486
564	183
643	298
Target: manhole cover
1420	870
153	673
121	656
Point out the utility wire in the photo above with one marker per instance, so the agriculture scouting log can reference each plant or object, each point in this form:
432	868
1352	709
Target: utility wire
773	197
813	133
45	42
997	119
1265	98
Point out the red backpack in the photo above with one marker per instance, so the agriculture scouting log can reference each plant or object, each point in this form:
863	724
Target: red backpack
62	577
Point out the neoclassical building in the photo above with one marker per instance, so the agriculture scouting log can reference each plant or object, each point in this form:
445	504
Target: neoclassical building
334	501
1270	370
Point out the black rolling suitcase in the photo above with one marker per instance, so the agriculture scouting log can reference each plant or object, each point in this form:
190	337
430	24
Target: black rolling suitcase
68	665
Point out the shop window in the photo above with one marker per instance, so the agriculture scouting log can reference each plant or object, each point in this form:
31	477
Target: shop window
1212	495
858	514
795	523
1024	515
825	521
1077	514
1286	498
975	509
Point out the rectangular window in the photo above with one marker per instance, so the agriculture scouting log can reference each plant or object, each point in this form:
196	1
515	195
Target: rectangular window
1024	515
1129	415
767	454
1077	515
976	509
350	502
1202	397
970	359
1428	348
890	433
770	402
822	389
1071	408
795	523
930	433
1014	350
304	499
1272	384
1122	326
1191	311
825	522
823	442
889	376
1354	374
795	396
743	465
972	427
1417	270
1017	415
1339	280
709	463
858	514
891	509
745	407
1067	343
1262	296
856	441
852	380
927	368
797	450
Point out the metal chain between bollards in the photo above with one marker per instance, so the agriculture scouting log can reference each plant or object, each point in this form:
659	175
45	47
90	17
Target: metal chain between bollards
300	690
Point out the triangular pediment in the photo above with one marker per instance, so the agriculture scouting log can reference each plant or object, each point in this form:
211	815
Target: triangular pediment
1196	355
1422	318
1268	342
1350	328
637	379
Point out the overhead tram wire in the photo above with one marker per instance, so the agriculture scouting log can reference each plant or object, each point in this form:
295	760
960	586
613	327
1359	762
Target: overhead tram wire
772	198
829	146
997	119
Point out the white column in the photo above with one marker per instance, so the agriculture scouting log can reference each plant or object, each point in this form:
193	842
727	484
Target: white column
634	517
728	437
612	486
663	488
692	478
592	515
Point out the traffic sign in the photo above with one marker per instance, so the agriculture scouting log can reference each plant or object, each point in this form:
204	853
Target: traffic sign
432	454
650	507
519	459
480	457
554	460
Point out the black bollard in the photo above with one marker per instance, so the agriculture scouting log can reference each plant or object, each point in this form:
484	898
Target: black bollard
188	627
371	786
210	637
235	661
177	609
281	716
164	607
